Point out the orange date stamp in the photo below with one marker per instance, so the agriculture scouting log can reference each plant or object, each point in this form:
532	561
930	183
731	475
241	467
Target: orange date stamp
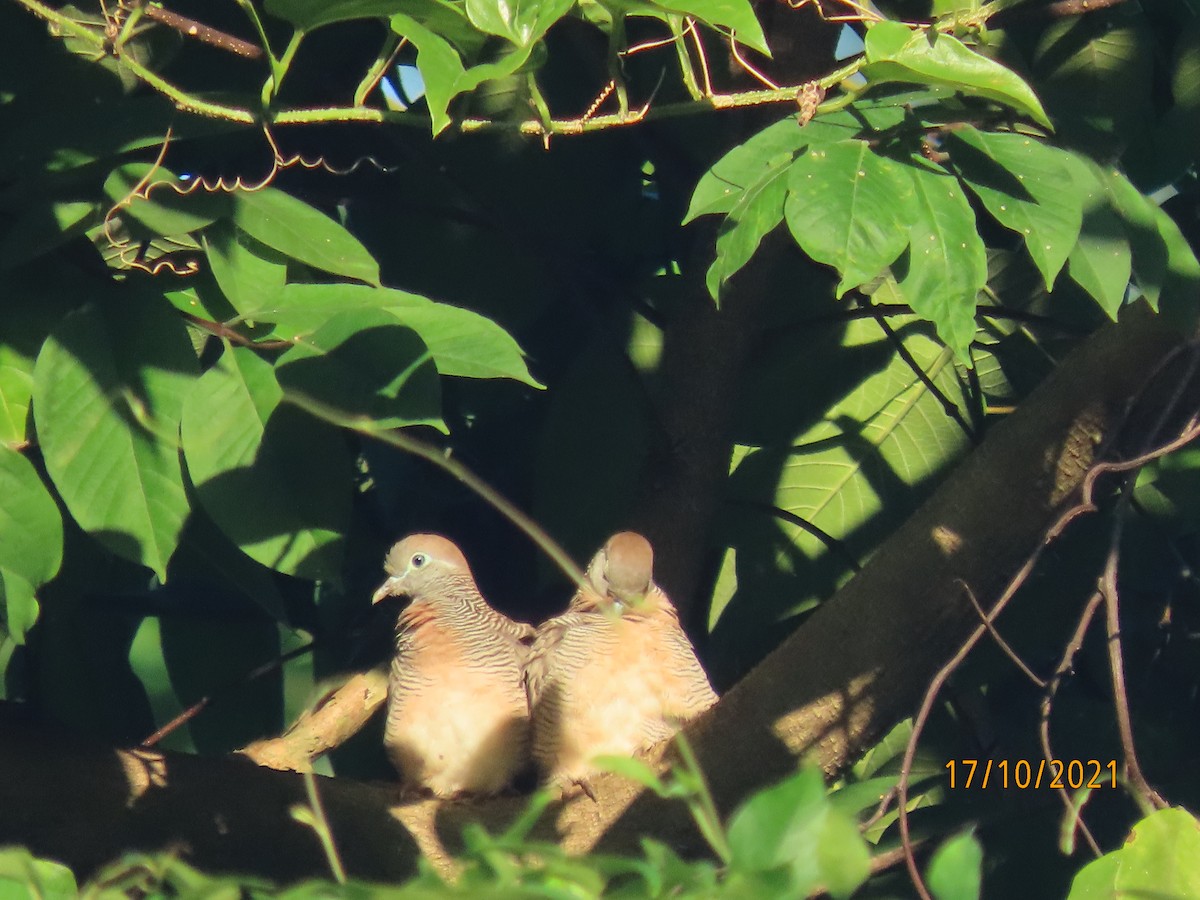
1027	774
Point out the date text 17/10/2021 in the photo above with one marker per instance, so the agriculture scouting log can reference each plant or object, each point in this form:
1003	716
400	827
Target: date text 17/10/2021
1025	774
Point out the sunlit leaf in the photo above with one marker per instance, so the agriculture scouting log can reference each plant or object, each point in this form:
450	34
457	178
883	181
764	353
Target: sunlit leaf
1160	858
276	482
439	64
312	14
1026	185
954	872
364	362
1101	262
520	21
462	342
245	270
756	214
896	52
108	394
296	229
946	261
848	207
31	533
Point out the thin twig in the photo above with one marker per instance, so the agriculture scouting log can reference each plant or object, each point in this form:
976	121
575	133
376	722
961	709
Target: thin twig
400	440
1116	662
222	330
751	70
1065	665
1060	9
201	32
935	686
199	706
704	71
999	639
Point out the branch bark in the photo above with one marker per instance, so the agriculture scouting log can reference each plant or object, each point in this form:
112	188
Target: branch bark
857	666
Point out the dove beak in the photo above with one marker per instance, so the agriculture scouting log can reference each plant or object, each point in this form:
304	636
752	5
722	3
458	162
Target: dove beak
387	589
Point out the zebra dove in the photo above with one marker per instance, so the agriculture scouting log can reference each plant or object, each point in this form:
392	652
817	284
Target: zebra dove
457	716
615	673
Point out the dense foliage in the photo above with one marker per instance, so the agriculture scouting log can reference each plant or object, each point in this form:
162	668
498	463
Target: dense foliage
232	254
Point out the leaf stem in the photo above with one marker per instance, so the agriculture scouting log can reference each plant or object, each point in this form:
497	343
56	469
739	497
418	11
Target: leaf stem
387	54
704	811
319	823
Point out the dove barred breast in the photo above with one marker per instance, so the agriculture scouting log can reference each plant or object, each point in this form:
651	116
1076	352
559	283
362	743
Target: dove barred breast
457	714
615	673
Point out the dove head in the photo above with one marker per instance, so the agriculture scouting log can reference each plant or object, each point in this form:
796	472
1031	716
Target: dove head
620	573
420	565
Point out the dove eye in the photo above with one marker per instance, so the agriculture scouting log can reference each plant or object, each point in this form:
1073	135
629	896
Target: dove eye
418	560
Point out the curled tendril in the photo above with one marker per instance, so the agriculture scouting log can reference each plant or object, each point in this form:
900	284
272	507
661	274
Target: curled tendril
129	251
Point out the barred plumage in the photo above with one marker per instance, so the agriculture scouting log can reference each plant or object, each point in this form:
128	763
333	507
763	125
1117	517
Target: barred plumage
615	673
457	715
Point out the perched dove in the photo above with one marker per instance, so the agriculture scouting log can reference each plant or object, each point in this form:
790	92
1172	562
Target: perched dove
615	673
457	716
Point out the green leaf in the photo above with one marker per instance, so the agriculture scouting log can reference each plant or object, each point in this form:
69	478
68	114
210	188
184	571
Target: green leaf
1098	74
246	271
853	458
163	203
755	215
958	8
1140	216
523	22
31	535
954	871
1101	262
843	860
792	826
856	796
947	262
276	482
1182	284
297	230
18	608
847	207
1096	880
462	342
1026	186
896	52
23	875
735	15
438	62
774	827
363	362
503	67
310	14
108	393
721	187
16	389
1160	858
1185	73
